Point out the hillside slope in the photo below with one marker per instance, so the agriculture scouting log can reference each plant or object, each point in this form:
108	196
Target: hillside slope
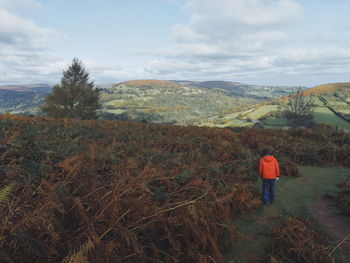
168	102
159	101
23	99
331	106
246	90
335	98
328	89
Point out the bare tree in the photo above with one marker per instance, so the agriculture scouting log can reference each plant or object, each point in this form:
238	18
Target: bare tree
299	107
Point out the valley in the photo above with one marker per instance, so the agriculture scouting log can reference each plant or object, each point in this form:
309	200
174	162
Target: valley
210	103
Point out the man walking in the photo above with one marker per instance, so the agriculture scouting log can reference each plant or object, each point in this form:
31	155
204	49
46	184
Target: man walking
269	171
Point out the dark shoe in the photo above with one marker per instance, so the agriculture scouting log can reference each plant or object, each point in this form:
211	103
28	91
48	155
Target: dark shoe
266	203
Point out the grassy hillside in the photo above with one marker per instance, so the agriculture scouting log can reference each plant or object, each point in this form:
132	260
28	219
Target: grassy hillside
209	103
243	116
158	101
333	106
23	99
240	89
330	89
150	83
168	102
134	192
331	101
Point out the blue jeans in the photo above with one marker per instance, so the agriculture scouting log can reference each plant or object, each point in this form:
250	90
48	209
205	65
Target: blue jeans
268	190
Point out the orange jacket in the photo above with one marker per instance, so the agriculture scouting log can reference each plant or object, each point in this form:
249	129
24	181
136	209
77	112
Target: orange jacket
269	168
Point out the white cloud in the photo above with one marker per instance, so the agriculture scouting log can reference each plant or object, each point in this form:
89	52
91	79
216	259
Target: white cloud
249	41
226	36
25	54
28	66
311	56
23	33
254	41
238	27
227	13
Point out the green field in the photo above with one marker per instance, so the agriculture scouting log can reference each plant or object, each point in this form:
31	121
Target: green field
293	197
317	102
281	122
222	123
347	111
338	104
324	115
261	111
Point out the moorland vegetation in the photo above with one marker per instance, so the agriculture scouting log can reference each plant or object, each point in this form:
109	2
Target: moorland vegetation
111	191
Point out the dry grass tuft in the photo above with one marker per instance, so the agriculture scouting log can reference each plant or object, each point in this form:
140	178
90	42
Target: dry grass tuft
81	255
298	240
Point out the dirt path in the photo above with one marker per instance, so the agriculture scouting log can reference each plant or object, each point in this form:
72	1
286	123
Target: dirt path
337	225
297	197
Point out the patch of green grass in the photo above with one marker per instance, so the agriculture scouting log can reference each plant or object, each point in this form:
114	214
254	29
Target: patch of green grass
116	111
324	115
276	122
293	195
338	103
261	111
222	123
344	111
317	101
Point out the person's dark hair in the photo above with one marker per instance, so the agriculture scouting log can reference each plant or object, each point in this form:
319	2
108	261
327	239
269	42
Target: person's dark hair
266	152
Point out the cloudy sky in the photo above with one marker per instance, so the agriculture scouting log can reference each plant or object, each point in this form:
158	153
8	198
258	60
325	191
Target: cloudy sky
266	42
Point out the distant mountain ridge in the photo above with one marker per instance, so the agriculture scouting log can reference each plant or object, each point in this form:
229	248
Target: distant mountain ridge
241	89
44	88
183	101
212	103
166	101
23	99
149	82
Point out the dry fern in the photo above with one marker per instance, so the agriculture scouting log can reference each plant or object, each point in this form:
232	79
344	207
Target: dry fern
5	192
80	256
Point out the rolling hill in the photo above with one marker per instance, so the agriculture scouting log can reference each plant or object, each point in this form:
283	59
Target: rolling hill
330	89
167	102
240	89
162	101
182	102
335	99
331	106
23	99
206	103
